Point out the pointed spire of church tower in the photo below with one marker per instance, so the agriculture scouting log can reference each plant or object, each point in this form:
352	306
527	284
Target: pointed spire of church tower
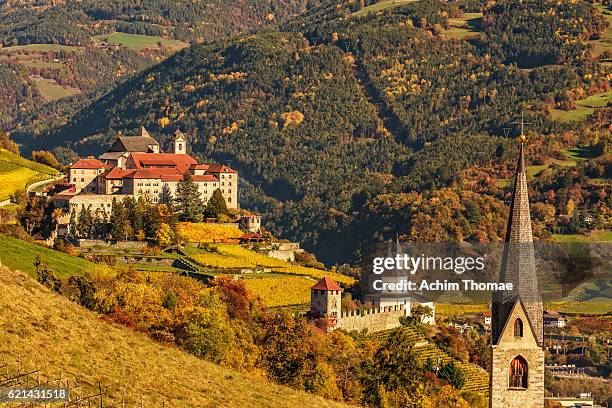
518	261
398	245
519	221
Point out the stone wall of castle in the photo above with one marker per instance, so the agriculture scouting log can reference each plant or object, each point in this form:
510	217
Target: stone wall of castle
372	320
94	202
288	256
92	243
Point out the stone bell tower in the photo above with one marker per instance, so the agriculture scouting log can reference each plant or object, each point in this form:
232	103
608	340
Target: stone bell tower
179	143
517	368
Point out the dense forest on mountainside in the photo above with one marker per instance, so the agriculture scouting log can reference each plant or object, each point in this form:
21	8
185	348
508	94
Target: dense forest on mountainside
58	49
89	71
336	119
73	23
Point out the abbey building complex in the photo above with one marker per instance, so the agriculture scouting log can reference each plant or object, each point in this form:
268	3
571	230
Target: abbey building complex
134	166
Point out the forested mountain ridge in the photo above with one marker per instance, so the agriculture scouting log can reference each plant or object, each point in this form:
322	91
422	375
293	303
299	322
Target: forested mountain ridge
336	120
53	50
73	23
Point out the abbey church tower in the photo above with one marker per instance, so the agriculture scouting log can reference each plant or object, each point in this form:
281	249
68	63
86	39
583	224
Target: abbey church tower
179	143
517	368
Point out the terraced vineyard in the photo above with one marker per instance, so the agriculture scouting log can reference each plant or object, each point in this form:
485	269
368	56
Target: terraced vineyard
235	256
16	173
281	290
476	378
210	233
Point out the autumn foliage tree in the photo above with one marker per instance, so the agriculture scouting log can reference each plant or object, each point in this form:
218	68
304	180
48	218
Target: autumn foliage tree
164	235
7	144
45	157
288	355
395	374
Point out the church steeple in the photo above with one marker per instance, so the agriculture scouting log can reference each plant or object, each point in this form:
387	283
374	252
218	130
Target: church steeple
519	221
179	143
517	356
518	261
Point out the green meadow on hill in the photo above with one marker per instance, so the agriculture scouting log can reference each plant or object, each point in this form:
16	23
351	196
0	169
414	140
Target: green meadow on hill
21	255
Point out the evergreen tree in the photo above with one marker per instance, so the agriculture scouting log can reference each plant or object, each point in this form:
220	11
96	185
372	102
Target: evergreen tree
85	222
216	205
575	224
151	219
142	208
120	228
165	196
100	224
132	215
453	374
72	231
188	202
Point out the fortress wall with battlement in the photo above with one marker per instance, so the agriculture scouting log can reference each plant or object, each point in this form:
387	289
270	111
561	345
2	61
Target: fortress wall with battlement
372	320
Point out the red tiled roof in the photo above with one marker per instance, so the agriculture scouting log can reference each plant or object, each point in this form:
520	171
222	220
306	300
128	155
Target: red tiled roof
219	168
172	177
326	284
89	164
200	166
251	236
486	314
181	162
153	174
205	177
155	162
117	173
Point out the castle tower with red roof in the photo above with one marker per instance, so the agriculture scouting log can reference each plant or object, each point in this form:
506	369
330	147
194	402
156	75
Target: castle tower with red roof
325	299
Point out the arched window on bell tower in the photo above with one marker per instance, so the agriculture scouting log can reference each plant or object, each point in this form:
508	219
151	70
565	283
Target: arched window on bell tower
518	373
518	328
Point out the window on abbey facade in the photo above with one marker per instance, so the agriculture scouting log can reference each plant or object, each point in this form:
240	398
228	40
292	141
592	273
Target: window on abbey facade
518	373
518	328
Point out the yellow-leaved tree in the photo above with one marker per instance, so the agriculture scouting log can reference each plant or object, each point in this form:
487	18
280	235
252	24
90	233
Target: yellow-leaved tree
164	235
163	122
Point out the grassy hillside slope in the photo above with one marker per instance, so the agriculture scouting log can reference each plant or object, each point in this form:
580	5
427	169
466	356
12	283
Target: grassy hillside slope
47	330
17	173
20	255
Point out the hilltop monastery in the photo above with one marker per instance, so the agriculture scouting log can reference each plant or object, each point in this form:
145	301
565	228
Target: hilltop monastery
135	167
